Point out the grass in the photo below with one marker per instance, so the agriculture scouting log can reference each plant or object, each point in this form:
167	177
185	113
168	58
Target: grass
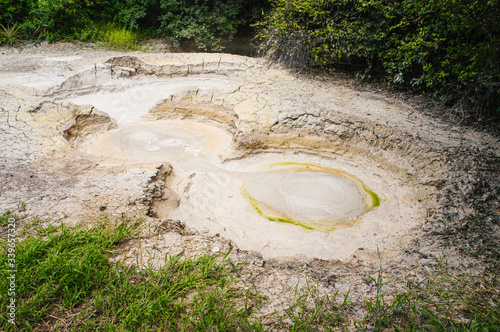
312	312
65	268
185	294
64	277
445	302
4	218
65	281
116	38
10	35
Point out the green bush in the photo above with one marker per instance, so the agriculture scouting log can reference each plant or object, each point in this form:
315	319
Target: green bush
12	11
447	47
137	14
55	20
204	21
59	19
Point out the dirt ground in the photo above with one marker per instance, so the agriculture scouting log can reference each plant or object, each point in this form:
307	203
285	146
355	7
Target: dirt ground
439	182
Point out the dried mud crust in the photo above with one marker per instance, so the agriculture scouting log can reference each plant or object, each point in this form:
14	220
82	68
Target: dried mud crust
453	172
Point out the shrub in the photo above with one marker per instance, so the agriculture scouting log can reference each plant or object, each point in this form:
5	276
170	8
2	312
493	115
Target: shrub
204	21
60	19
451	47
12	11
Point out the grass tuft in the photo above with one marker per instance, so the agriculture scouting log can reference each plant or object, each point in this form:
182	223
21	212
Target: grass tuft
120	39
4	218
312	312
10	35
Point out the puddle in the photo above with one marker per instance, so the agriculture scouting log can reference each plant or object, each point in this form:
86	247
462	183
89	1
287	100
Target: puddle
182	143
129	103
308	195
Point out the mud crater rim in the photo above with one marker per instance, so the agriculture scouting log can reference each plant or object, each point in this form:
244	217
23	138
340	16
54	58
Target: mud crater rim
209	185
300	193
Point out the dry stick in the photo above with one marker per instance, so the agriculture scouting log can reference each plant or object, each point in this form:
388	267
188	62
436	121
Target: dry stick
62	320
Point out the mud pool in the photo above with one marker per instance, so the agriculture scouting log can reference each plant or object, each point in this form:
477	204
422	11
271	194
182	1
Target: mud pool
301	180
235	149
280	204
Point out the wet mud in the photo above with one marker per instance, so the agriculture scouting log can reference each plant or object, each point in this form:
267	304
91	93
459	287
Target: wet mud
302	177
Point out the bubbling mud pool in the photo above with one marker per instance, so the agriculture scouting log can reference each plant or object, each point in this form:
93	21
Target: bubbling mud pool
280	204
308	195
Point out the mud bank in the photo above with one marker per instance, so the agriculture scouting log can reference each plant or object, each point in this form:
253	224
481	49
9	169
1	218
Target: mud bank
213	151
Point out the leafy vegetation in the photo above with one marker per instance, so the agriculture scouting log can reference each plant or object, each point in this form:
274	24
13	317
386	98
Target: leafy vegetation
204	21
450	48
13	11
10	34
116	38
67	271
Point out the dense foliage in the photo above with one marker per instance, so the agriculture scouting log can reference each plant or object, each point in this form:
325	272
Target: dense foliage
204	21
447	47
56	19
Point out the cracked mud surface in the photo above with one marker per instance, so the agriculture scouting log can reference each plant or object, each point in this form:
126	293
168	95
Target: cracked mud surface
58	104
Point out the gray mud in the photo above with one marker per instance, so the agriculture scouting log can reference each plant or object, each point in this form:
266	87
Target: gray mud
190	140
